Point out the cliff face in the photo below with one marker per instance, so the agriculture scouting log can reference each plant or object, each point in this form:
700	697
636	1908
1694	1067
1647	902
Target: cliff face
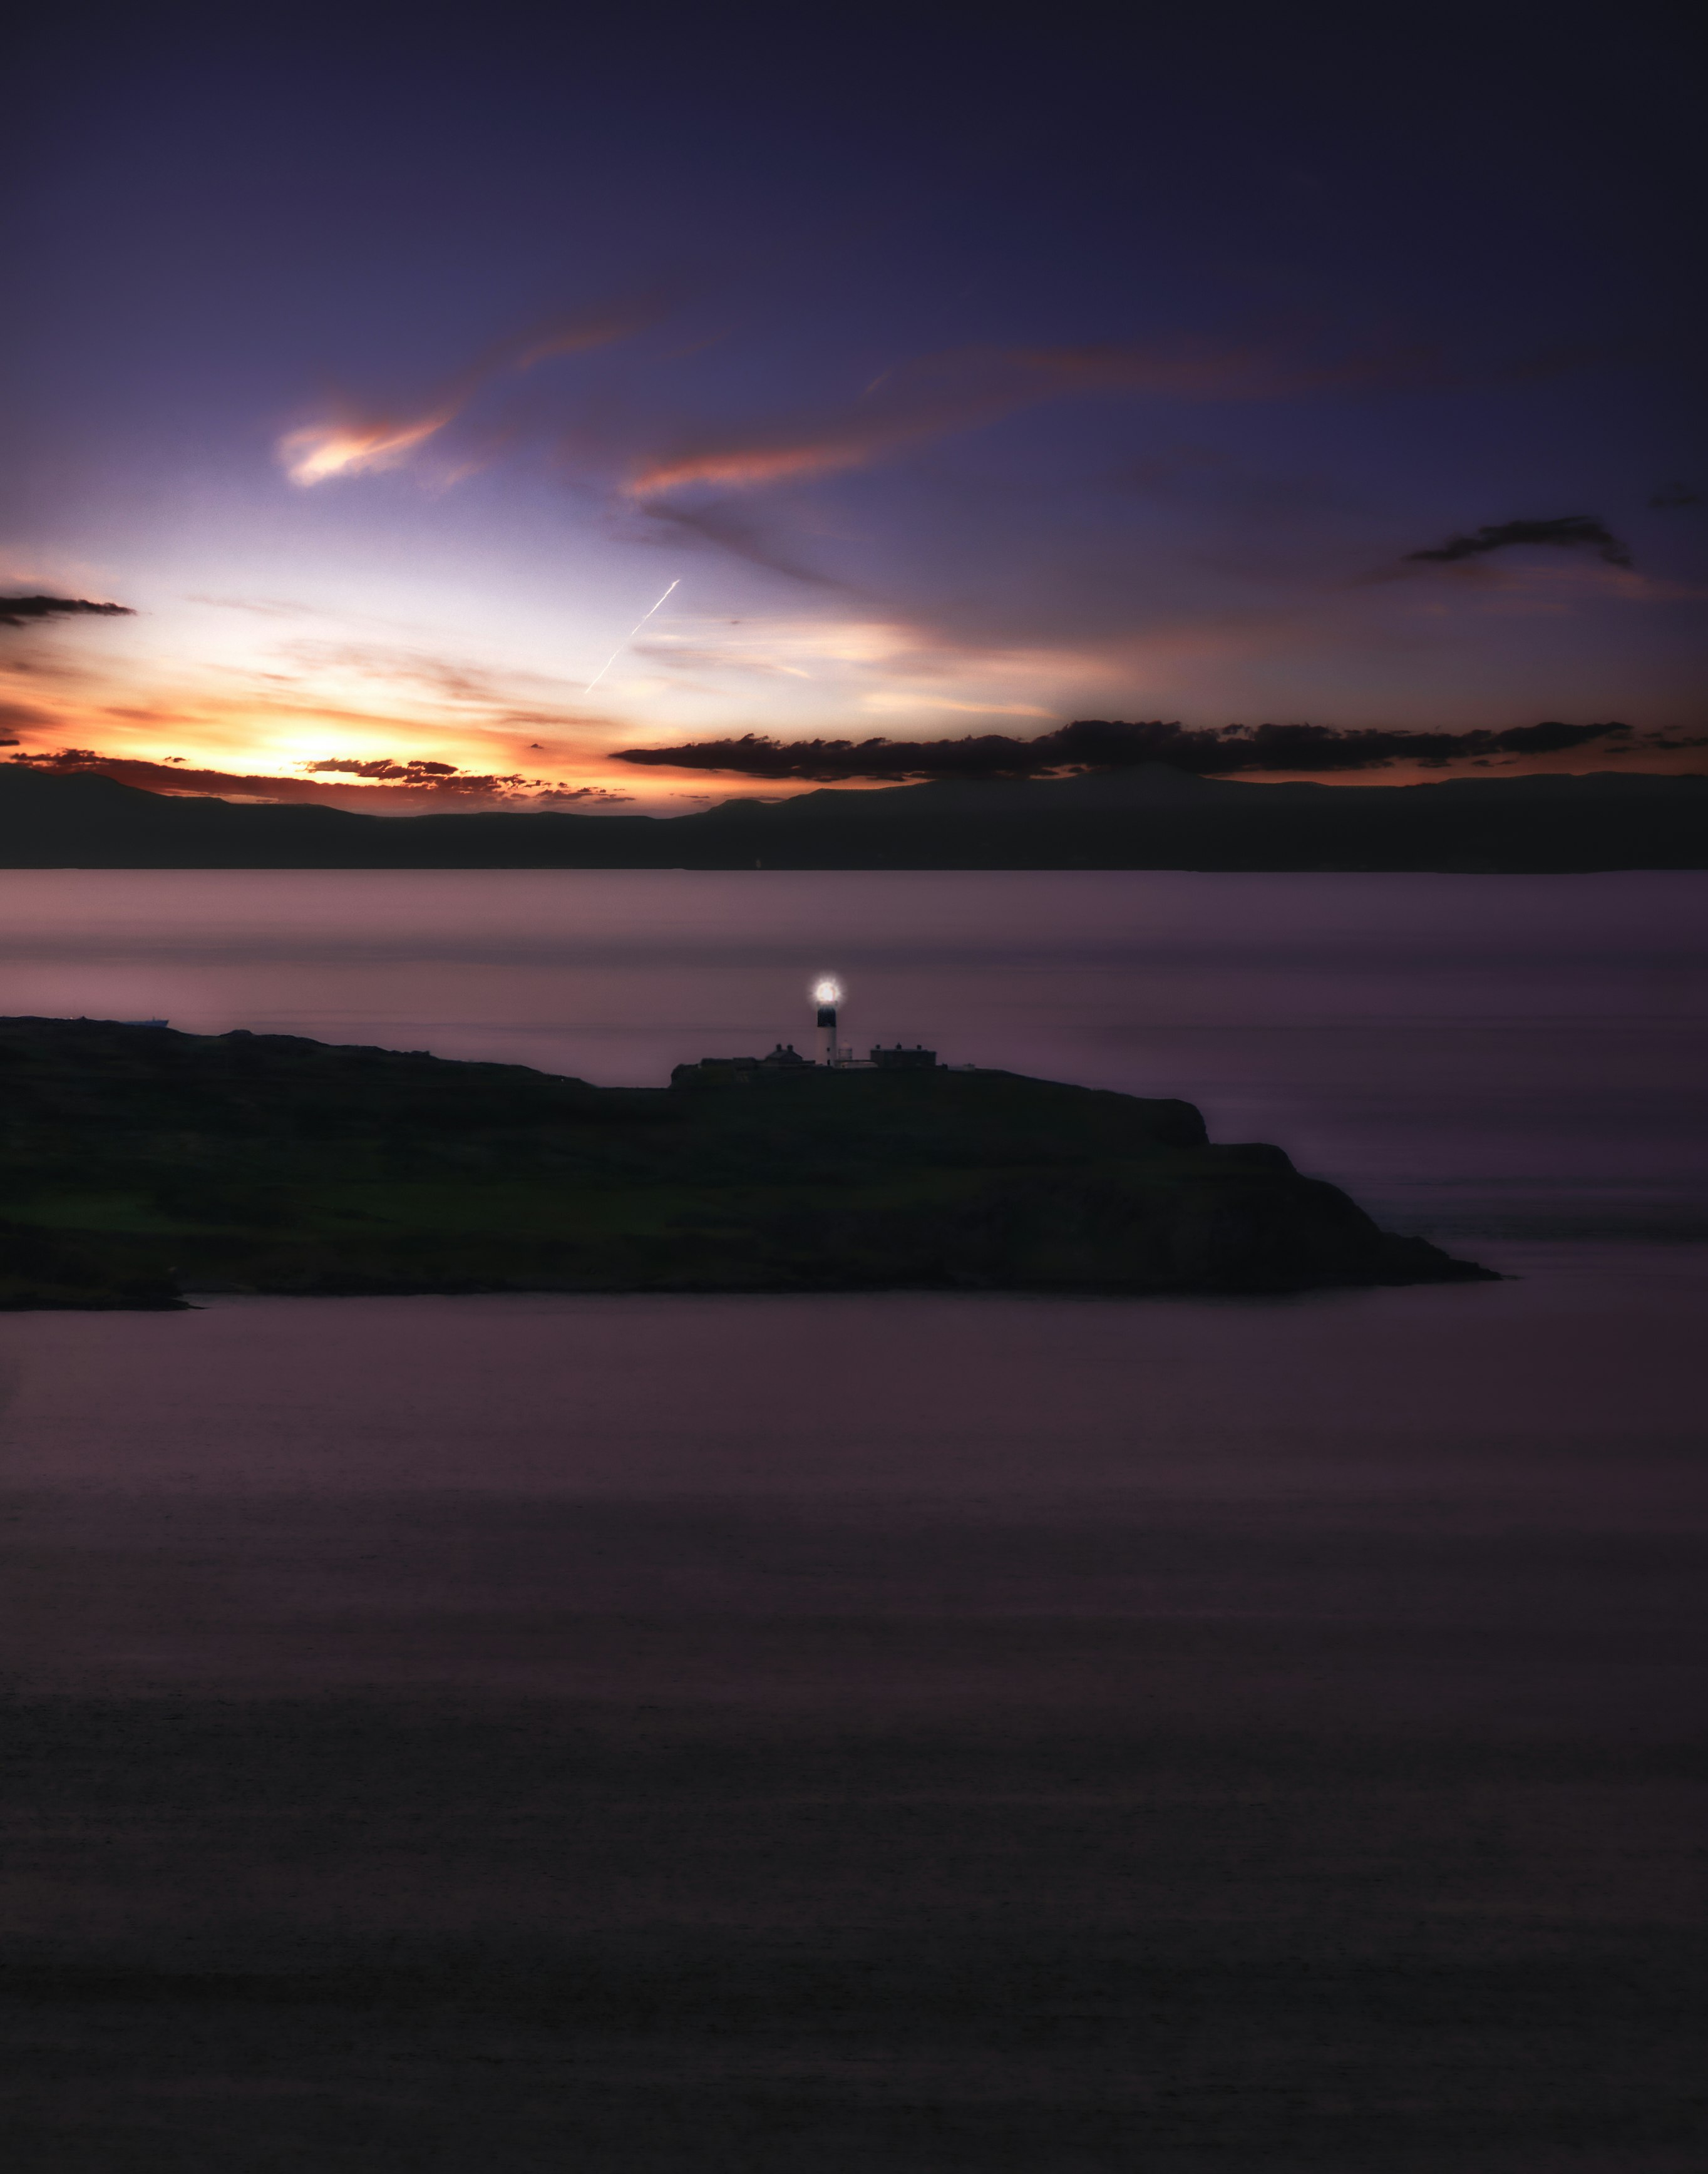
137	1164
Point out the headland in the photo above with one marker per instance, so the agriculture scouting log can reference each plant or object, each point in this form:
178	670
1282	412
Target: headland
139	1165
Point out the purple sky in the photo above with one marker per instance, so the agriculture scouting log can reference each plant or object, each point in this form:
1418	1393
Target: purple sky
961	380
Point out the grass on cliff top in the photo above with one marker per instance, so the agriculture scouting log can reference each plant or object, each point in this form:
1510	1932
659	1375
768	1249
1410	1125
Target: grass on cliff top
137	1160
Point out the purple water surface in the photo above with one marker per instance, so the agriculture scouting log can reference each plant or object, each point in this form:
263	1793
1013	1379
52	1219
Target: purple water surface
1469	1053
917	1732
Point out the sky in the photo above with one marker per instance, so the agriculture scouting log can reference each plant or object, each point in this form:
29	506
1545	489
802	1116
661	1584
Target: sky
457	409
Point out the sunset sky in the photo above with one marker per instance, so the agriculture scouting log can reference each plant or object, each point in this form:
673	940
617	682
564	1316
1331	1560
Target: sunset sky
958	385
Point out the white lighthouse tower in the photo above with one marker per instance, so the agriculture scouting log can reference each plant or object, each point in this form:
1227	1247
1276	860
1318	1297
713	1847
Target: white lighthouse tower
827	995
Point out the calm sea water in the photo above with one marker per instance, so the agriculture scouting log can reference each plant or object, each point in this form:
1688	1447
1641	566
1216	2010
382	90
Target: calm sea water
914	1733
1528	1051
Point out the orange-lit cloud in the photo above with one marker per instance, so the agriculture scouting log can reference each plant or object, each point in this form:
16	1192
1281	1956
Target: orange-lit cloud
320	450
388	788
351	443
932	397
412	720
964	388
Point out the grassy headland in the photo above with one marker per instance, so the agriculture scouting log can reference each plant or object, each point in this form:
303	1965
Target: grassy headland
137	1164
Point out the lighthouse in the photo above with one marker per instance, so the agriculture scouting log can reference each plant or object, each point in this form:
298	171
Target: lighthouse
826	996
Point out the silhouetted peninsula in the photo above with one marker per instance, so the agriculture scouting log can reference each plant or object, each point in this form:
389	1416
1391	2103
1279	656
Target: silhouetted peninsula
139	1164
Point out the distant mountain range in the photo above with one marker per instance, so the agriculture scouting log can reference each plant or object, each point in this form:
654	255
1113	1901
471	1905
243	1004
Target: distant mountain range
1150	818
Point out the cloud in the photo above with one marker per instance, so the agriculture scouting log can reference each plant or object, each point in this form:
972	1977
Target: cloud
352	446
719	523
711	657
910	699
448	678
938	395
352	442
266	606
1557	591
964	388
25	611
1204	369
415	769
1100	744
1676	495
471	695
1569	531
408	788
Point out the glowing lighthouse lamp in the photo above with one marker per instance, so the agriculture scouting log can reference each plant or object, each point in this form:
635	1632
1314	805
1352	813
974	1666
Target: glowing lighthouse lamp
827	995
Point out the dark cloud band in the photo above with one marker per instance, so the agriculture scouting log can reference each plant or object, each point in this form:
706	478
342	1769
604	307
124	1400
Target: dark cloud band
1571	532
412	787
25	611
1098	744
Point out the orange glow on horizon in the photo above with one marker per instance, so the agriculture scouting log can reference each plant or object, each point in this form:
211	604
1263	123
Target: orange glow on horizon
282	702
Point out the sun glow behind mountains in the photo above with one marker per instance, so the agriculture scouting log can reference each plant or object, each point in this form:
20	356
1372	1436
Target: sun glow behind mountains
393	446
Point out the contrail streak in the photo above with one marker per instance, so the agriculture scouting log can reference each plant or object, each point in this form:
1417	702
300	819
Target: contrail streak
627	639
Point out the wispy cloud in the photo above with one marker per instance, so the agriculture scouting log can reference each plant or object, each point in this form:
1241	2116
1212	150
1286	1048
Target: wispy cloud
733	529
712	656
448	693
964	388
26	714
910	699
351	441
354	445
262	607
1557	591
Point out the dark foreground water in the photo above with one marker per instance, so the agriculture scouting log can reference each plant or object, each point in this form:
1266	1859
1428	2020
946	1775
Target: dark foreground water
901	1732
